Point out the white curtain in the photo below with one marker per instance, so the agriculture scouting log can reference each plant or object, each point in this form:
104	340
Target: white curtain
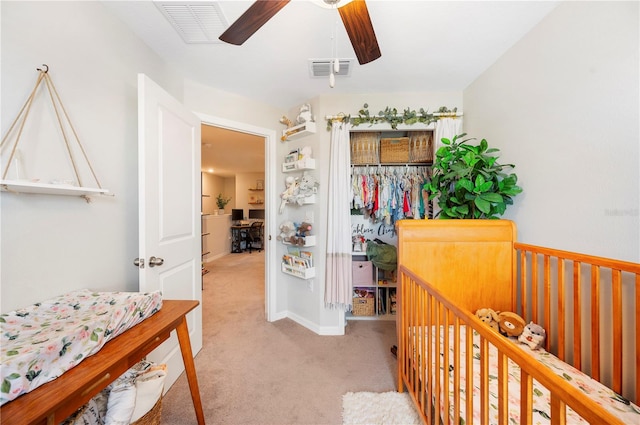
338	286
447	128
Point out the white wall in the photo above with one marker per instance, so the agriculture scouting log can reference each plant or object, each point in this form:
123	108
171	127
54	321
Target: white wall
212	186
53	244
244	182
563	105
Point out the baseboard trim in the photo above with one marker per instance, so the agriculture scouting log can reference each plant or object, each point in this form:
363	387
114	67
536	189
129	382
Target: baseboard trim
313	327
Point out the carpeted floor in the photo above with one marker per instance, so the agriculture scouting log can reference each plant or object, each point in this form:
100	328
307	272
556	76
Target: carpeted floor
253	372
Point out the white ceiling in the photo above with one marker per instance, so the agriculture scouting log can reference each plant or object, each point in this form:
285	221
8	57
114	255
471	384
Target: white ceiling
425	45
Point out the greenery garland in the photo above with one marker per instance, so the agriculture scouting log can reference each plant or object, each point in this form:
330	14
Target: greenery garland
390	115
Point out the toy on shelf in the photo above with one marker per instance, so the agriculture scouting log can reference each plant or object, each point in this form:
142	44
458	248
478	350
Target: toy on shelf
298	190
305	114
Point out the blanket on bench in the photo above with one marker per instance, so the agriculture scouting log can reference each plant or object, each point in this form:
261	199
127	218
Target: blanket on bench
41	342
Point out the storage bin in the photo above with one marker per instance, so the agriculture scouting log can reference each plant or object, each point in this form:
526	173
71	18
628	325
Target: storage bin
153	416
362	273
421	147
364	148
394	150
363	306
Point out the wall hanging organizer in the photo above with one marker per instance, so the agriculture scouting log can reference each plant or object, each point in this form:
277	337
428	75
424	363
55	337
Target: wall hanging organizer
15	131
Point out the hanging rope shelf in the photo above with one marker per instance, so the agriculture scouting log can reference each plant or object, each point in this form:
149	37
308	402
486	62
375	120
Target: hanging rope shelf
16	129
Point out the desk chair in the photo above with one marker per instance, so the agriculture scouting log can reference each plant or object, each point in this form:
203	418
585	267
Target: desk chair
255	236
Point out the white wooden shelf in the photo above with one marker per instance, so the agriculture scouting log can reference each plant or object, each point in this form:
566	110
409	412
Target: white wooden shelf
311	199
18	186
299	131
309	240
298	271
301	164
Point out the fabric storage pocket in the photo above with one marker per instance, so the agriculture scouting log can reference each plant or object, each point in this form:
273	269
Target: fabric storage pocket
362	272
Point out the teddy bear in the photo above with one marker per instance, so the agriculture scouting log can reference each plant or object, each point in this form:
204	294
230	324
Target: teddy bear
510	324
533	335
287	231
488	316
306	187
302	231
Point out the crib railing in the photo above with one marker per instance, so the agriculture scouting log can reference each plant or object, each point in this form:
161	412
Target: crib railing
424	314
590	307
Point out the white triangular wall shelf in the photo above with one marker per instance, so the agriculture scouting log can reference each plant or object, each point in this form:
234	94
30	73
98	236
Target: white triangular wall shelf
36	187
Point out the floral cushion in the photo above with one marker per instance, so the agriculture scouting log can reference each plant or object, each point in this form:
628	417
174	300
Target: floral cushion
41	342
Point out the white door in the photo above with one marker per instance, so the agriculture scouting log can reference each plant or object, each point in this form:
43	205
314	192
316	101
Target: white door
169	192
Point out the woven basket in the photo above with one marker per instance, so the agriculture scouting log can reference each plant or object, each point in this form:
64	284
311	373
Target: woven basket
363	306
364	148
394	150
421	146
152	417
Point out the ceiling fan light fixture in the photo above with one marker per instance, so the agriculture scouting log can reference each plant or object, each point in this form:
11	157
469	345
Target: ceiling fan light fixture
331	4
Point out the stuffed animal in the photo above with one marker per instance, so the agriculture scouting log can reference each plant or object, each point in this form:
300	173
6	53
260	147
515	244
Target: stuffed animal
290	194
304	229
305	114
305	152
287	231
510	323
533	335
489	317
286	121
308	186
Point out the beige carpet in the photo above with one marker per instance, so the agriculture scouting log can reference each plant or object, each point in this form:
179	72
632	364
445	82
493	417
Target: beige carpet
253	372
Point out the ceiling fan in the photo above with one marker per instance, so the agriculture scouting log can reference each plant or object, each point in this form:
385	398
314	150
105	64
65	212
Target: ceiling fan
354	15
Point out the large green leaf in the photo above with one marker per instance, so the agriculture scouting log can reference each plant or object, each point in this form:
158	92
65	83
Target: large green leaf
483	205
464	184
491	197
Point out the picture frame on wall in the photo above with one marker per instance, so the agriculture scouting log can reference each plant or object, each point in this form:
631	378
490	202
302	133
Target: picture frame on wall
260	184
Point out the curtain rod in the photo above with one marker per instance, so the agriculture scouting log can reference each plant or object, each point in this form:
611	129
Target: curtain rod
341	117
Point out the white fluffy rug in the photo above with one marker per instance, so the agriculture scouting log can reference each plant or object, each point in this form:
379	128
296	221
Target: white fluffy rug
390	408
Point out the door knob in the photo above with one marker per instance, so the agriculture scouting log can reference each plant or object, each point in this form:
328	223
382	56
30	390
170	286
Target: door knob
155	261
139	262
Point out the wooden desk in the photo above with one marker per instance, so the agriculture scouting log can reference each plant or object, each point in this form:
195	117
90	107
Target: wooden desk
54	401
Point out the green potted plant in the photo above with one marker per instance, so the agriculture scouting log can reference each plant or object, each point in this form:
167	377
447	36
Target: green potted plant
468	182
222	202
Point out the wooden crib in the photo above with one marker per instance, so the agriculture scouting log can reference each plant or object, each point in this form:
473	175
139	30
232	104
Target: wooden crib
458	370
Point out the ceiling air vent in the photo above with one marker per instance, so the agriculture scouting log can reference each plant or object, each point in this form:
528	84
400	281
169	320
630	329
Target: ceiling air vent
321	68
196	22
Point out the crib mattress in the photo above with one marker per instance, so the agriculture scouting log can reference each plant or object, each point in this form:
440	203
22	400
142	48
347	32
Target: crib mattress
42	341
599	393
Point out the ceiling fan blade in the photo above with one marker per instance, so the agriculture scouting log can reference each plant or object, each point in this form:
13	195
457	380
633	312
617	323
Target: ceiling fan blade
356	20
251	20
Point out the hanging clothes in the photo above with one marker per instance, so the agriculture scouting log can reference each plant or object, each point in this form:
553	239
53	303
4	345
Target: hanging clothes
388	193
